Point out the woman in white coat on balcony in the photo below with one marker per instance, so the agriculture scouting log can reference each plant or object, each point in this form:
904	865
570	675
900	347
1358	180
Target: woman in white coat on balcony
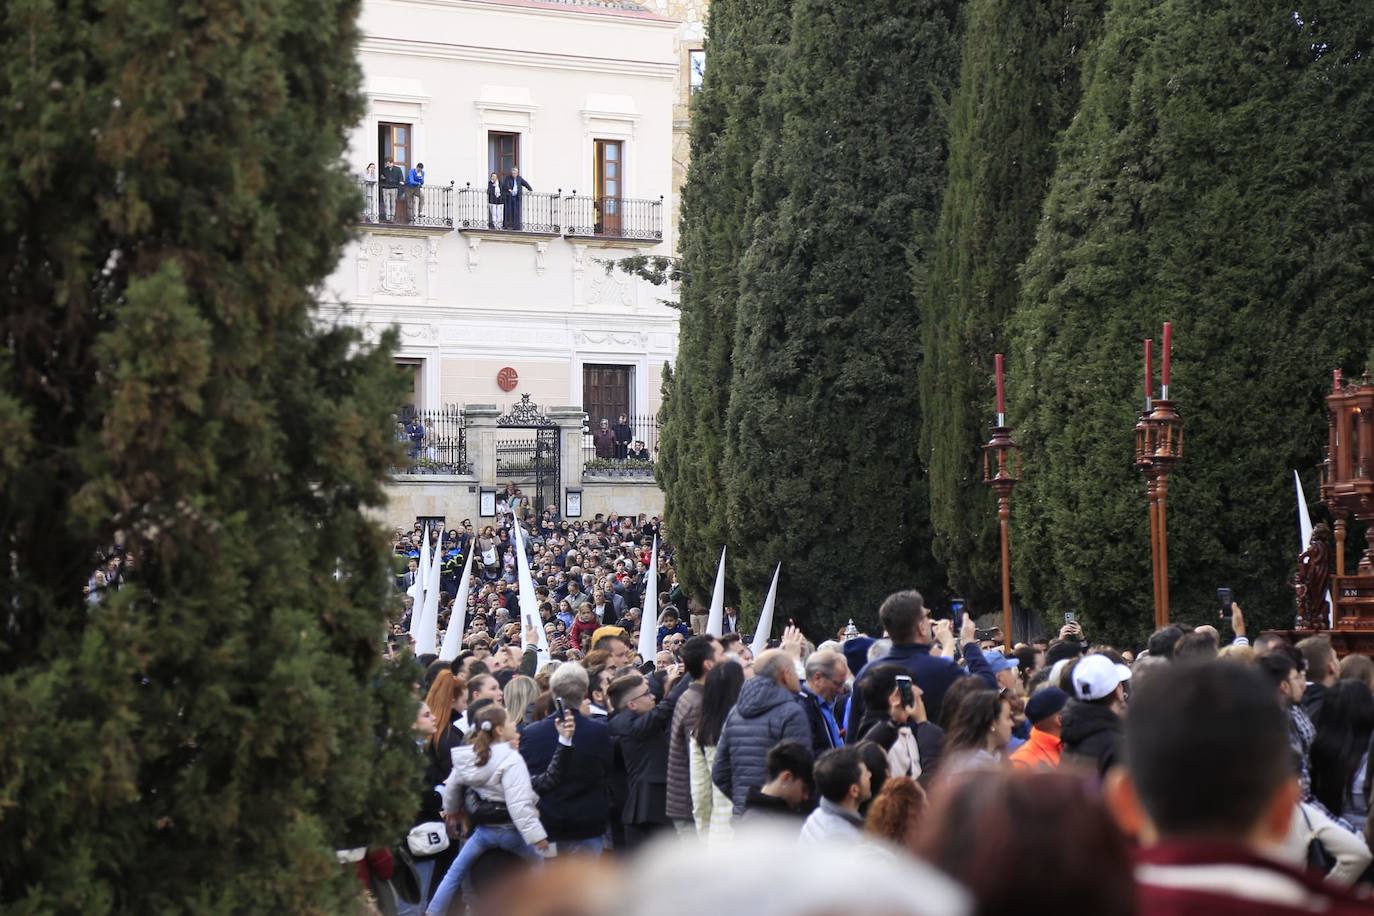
496	203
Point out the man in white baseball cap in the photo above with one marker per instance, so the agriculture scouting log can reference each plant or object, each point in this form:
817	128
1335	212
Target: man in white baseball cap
1093	725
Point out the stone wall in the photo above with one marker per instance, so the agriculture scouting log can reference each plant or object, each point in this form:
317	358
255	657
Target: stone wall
456	497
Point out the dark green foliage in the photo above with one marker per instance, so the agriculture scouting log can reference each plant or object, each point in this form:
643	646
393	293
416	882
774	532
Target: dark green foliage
822	454
1218	174
743	44
1018	88
205	738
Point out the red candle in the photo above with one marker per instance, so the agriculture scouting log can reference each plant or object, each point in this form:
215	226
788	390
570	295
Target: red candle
1149	369
1168	353
1001	389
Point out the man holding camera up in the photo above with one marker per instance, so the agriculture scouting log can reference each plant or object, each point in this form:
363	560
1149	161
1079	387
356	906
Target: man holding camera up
904	617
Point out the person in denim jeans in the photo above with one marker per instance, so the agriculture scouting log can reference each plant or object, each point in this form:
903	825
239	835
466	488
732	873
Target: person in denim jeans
491	782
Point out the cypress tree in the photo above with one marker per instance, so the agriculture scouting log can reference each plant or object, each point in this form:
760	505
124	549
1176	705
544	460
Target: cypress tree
822	470
1218	175
1018	87
744	41
203	738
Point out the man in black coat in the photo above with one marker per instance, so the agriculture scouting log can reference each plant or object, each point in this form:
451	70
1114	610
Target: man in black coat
639	725
393	177
1093	727
573	813
623	435
513	189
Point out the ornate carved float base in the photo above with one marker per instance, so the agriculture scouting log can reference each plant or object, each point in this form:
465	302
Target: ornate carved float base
1354	630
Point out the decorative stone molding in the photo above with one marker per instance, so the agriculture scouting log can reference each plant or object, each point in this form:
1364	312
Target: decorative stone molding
474	244
540	250
400	257
617	338
433	290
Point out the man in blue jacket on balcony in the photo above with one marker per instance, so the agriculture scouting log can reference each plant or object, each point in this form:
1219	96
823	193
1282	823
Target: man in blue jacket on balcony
903	615
415	192
511	189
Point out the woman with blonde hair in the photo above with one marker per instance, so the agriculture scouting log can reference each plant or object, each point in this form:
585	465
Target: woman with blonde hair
519	695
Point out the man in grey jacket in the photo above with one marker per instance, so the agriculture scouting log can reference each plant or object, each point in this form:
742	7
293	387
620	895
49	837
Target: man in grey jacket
767	712
844	784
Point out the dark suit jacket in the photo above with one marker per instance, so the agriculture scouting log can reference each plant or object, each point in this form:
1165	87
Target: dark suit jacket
508	185
643	742
495	193
577	808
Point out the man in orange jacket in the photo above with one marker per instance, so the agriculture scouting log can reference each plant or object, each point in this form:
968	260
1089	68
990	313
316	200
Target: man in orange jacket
1044	746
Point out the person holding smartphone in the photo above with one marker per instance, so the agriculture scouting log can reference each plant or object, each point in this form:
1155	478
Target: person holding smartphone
896	720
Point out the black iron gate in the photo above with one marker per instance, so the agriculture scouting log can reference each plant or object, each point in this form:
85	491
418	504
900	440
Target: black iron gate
547	451
547	468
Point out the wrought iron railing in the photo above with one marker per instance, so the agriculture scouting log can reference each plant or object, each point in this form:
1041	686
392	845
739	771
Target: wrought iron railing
613	217
515	457
537	213
616	457
430	206
433	441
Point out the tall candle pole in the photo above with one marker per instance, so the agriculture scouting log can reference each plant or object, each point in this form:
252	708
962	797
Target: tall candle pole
1145	462
1002	480
1159	447
1168	361
1149	373
1001	393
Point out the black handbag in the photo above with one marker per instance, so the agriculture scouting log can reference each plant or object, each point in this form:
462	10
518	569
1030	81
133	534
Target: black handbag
482	812
1319	859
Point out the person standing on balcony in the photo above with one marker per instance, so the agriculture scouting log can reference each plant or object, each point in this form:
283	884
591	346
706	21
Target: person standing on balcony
416	428
369	185
415	192
392	179
640	452
514	197
604	441
623	435
496	215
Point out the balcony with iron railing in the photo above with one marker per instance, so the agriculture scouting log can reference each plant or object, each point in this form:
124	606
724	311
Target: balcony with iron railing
538	213
628	218
432	441
574	215
427	207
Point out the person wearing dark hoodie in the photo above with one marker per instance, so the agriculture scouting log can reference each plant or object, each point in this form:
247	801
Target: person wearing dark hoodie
1093	726
768	711
912	742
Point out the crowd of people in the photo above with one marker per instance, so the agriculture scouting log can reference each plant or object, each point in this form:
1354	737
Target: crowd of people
1194	774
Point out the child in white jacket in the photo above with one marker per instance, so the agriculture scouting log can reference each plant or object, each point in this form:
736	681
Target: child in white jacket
491	783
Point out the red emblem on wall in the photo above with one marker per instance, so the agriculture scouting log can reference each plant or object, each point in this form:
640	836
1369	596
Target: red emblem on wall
507	378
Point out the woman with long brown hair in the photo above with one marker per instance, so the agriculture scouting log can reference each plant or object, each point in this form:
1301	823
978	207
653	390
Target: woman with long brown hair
978	732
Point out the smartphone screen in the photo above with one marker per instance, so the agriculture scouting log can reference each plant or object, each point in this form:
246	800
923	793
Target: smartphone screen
904	689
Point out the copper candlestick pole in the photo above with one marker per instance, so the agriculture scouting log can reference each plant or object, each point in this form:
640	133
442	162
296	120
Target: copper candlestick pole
1002	481
1158	448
